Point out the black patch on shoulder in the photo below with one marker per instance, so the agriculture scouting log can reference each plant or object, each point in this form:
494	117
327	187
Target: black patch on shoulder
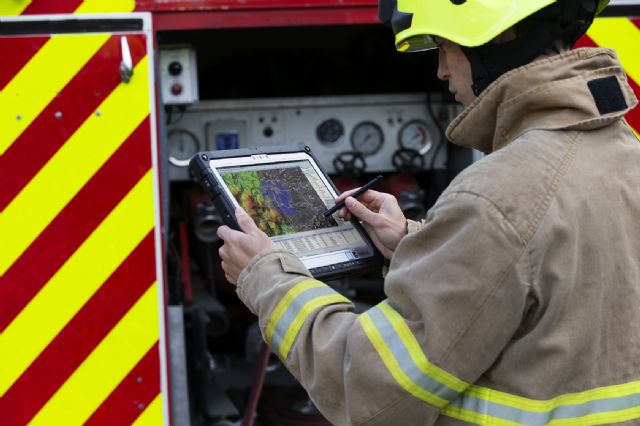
607	94
458	2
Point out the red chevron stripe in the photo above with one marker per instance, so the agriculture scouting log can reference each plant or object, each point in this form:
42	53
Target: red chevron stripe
585	41
74	224
77	101
132	395
636	21
633	116
81	336
16	53
42	7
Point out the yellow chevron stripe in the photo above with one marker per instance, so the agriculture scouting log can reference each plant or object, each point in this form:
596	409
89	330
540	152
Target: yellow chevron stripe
41	79
152	415
72	166
76	281
106	366
623	36
13	7
97	6
302	315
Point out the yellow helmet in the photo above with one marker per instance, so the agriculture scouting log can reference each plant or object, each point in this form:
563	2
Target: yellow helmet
467	23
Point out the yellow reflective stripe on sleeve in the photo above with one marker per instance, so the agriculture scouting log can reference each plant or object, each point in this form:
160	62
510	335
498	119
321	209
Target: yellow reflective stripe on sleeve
97	6
416	352
392	364
534	405
152	415
61	298
303	313
106	366
41	79
622	35
603	405
73	165
475	417
407	363
284	304
601	418
290	313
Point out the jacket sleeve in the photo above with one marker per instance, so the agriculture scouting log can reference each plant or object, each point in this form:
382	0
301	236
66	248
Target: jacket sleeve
456	294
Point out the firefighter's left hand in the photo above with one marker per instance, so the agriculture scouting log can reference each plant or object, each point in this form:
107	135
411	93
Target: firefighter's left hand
240	247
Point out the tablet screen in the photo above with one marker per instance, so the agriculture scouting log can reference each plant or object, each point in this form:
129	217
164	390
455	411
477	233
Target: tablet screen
286	195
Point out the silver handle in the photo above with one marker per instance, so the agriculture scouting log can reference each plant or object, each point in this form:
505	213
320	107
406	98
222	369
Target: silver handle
126	66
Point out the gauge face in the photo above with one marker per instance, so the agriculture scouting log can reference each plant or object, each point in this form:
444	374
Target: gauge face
367	138
415	135
182	145
330	131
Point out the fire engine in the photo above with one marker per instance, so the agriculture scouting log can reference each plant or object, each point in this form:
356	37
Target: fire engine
113	306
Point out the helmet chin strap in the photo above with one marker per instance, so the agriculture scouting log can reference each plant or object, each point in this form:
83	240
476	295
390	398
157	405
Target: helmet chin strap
563	20
490	61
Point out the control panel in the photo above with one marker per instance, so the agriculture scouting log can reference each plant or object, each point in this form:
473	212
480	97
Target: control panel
348	134
178	75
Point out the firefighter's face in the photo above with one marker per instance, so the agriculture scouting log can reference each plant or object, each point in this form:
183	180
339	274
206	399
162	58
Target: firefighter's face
454	67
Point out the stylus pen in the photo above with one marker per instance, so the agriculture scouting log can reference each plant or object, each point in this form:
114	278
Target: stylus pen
356	194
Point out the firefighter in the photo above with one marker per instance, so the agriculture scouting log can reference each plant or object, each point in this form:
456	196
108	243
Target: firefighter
516	300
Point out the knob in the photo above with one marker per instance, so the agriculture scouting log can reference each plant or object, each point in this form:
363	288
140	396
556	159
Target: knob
175	68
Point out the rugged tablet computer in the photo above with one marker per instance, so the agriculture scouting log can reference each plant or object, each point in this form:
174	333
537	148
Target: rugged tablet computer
286	191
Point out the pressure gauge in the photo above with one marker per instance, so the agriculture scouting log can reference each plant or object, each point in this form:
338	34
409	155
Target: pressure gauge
367	138
182	145
330	131
415	135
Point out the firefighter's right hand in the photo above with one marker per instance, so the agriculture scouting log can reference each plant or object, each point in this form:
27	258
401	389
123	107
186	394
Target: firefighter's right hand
380	215
240	247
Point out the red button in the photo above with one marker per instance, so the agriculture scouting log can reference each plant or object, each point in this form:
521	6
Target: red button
176	89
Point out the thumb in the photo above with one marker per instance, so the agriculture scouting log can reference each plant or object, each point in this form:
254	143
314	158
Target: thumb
245	221
359	210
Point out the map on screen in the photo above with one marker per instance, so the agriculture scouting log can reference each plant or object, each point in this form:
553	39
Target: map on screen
280	200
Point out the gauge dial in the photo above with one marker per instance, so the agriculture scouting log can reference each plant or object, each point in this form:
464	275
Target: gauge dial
182	145
367	138
415	135
330	131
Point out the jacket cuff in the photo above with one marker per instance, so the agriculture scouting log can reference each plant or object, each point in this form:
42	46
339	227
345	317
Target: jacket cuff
268	263
414	226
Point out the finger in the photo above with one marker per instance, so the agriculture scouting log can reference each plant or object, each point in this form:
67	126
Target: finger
370	196
344	213
245	221
361	212
223	232
345	194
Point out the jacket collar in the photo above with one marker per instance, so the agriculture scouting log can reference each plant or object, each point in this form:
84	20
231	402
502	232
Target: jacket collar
552	93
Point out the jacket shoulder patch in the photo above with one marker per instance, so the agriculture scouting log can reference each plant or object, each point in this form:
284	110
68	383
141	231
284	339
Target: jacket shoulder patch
607	94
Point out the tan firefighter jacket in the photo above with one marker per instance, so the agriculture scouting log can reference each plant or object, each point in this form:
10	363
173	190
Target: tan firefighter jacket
518	299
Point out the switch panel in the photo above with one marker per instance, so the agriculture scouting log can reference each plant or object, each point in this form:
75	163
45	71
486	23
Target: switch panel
178	75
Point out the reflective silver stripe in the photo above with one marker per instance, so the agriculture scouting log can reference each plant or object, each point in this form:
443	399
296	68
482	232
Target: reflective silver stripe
404	359
287	319
571	413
